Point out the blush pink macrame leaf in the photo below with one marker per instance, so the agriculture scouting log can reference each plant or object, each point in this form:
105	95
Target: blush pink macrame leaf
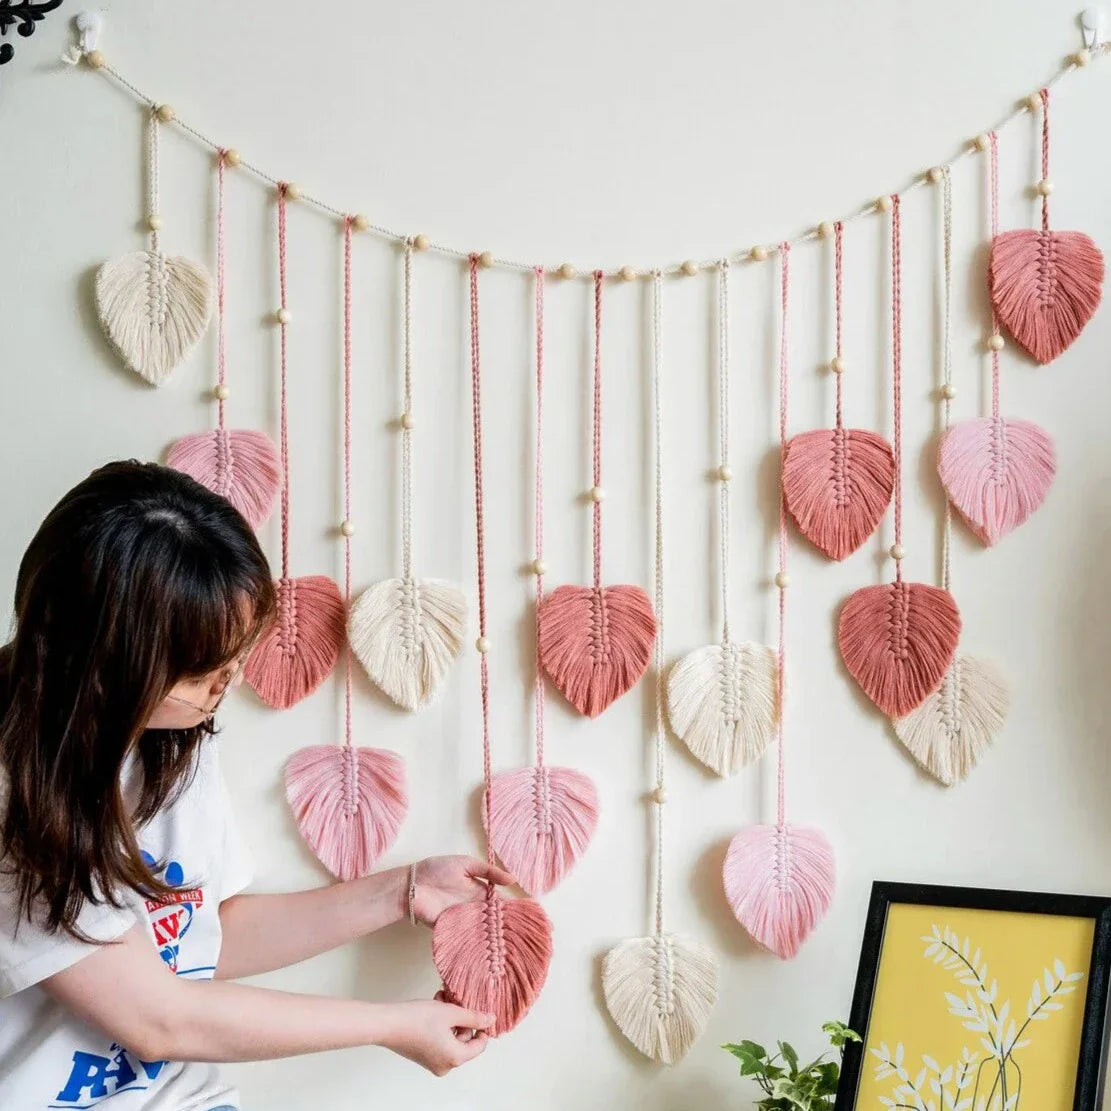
897	641
493	956
349	804
595	642
837	483
779	880
541	821
1045	286
300	648
238	464
996	472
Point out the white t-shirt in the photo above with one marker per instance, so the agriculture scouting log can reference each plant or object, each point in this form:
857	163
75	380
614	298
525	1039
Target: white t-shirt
50	1059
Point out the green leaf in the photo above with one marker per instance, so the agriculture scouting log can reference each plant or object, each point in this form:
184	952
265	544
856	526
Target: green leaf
754	1048
829	1074
839	1034
790	1056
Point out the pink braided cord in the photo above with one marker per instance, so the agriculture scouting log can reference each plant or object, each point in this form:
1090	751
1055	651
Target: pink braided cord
284	404
1045	156
897	368
781	683
597	425
993	178
539	509
837	230
221	339
347	465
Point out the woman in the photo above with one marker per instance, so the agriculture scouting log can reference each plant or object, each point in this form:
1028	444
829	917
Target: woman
136	605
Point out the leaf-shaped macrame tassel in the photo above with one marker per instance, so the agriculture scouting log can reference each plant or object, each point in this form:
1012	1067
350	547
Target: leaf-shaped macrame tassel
996	472
541	821
1045	286
722	703
406	633
300	648
779	880
349	804
897	641
493	955
595	642
153	308
838	483
956	725
660	992
238	464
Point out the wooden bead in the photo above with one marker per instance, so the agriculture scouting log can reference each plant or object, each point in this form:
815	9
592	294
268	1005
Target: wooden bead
659	796
566	271
825	229
165	113
95	59
292	191
996	342
689	268
837	364
628	274
486	260
948	391
232	158
359	222
482	645
420	242
782	580
597	494
1082	57
897	552
1044	188
347	528
221	392
884	203
1034	101
982	142
724	472
538	567
758	253
935	174
282	316
406	421
154	221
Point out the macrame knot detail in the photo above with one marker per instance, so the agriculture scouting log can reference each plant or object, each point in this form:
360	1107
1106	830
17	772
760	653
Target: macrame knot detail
542	802
599	628
287	616
495	935
662	983
840	468
898	620
409	627
1047	271
350	782
731	667
155	269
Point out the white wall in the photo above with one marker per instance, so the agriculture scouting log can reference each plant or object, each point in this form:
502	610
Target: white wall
606	134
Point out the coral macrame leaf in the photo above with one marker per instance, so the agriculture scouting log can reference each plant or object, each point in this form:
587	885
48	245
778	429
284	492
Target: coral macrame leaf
897	641
1045	286
153	308
493	955
779	880
722	702
996	472
595	642
406	633
299	649
956	725
349	804
837	483
660	992
238	464
541	821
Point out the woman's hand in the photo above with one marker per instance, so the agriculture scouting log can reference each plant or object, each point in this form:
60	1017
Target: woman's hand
438	1036
444	881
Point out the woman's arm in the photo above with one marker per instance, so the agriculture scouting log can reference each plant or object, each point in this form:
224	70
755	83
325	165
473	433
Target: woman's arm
126	990
265	932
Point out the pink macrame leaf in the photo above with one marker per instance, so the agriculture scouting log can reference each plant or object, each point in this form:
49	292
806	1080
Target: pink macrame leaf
300	648
241	465
837	483
996	472
1045	286
595	642
897	641
349	804
779	880
541	821
493	956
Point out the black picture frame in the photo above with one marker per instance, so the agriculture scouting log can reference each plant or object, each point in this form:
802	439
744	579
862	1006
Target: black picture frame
1092	1061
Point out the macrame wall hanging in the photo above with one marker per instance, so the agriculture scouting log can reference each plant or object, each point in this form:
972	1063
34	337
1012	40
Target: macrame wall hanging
660	989
407	632
996	472
1045	285
492	954
722	698
300	648
951	731
541	818
153	307
349	802
240	464
595	642
838	481
898	640
779	879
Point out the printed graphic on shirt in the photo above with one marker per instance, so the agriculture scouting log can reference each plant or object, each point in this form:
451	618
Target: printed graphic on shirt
94	1078
172	915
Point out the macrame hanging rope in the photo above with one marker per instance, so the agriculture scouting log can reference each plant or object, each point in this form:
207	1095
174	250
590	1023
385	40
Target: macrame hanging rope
595	642
406	631
660	989
492	954
837	482
998	472
898	640
952	730
301	647
780	879
541	818
349	802
1045	285
153	307
722	698
241	465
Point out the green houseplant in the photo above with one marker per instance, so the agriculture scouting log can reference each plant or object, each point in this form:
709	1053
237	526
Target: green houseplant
789	1086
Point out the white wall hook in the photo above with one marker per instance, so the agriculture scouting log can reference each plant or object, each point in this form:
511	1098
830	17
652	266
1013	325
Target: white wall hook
90	24
1092	23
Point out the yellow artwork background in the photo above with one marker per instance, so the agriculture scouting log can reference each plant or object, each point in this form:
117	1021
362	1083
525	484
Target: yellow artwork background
909	1005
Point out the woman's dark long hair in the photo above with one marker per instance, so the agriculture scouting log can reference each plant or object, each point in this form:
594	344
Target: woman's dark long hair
138	578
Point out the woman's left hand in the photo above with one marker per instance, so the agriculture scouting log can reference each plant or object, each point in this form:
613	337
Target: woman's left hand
444	881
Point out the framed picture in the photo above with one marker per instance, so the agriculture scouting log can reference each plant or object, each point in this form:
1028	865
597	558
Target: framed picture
979	1000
